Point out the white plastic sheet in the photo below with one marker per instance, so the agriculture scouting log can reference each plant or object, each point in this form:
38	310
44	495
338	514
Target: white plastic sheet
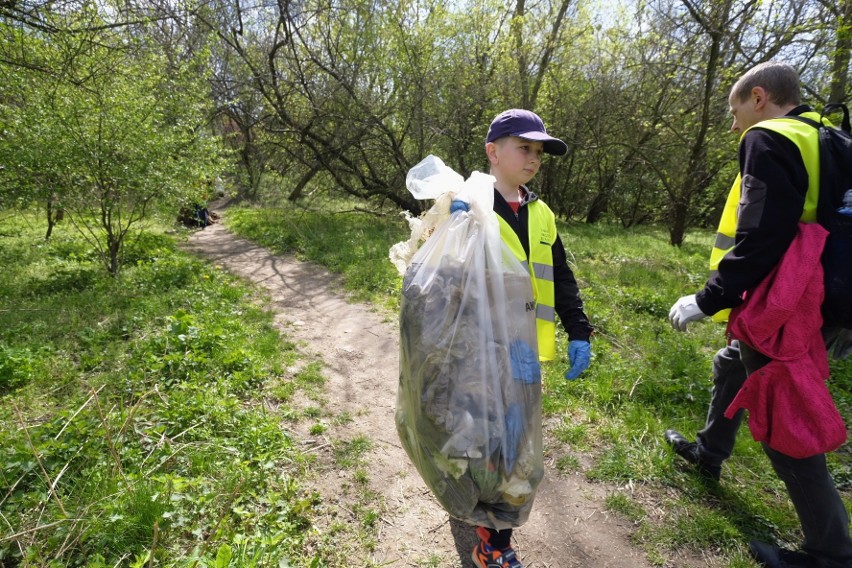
469	400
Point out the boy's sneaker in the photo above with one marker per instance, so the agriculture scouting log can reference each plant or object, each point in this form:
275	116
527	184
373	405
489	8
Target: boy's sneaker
486	557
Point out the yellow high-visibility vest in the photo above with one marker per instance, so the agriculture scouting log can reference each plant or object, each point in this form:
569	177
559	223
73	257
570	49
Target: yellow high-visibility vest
805	137
542	235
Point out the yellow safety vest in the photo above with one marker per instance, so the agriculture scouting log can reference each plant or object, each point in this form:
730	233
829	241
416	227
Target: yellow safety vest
804	136
542	235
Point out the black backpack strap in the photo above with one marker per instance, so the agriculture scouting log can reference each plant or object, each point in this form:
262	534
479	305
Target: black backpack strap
844	123
805	119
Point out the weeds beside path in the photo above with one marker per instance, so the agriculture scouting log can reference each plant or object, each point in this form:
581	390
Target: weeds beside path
358	348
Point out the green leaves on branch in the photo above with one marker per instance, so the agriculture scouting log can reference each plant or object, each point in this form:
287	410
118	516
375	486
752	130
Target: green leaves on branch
115	133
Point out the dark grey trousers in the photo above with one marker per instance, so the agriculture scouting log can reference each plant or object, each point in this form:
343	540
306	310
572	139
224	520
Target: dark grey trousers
821	512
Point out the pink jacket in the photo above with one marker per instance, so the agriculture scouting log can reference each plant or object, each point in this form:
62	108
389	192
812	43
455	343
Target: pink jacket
789	405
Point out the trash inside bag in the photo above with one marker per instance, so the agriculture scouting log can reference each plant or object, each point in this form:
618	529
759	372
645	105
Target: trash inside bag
469	400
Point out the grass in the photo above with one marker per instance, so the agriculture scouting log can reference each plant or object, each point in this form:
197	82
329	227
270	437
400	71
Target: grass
644	378
133	423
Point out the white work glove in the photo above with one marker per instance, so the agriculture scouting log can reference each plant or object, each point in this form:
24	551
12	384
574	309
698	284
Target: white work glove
684	311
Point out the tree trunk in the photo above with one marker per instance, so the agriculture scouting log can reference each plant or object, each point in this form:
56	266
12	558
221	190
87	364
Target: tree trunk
677	227
303	181
50	222
550	44
54	216
598	207
114	244
840	59
523	69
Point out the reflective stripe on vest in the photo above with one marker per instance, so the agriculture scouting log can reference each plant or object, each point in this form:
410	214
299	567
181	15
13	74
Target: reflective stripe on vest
542	235
804	136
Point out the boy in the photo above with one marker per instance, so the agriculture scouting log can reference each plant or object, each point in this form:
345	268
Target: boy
514	145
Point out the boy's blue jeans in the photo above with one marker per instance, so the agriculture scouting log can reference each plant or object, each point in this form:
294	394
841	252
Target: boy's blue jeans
821	512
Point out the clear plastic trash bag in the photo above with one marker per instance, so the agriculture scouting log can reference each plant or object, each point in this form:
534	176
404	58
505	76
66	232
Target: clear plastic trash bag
469	401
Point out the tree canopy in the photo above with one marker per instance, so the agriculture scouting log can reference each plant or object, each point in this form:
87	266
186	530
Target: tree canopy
117	102
101	124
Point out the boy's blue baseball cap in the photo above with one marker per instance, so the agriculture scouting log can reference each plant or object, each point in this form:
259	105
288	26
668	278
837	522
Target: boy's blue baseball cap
527	125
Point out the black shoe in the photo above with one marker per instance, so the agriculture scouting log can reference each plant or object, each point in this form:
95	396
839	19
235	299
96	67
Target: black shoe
689	451
772	556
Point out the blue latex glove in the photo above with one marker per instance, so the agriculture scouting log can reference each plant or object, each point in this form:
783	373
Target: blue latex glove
458	205
525	365
579	356
514	434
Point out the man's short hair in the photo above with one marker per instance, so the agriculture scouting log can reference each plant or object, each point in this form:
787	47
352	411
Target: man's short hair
779	80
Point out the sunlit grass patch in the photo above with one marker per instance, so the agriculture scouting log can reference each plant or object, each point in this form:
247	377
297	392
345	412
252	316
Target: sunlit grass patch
625	506
350	243
350	453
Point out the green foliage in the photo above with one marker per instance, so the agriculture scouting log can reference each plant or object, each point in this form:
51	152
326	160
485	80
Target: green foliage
65	280
17	367
131	429
113	133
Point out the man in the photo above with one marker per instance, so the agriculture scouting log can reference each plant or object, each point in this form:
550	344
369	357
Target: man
776	189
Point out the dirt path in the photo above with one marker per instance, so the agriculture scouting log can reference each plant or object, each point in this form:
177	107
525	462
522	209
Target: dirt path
568	527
